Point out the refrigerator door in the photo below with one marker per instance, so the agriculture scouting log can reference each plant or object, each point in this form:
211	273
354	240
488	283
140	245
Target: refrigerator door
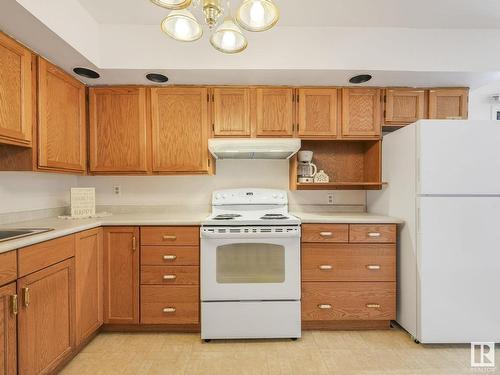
458	269
458	157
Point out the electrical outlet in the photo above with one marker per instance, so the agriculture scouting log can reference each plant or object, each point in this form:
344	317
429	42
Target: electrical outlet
117	190
330	198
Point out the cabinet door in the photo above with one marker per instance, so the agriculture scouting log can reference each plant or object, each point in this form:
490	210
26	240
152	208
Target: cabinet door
15	93
121	275
119	130
448	104
318	113
46	318
274	112
89	281
404	106
61	119
361	113
180	130
8	330
231	112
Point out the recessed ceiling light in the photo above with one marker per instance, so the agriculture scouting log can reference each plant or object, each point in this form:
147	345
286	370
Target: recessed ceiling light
87	73
362	78
157	77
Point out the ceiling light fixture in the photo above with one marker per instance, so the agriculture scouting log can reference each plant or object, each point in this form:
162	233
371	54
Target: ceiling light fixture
252	15
156	77
362	78
85	72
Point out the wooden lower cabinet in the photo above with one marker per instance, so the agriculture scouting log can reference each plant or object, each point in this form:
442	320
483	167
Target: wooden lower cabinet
46	332
8	329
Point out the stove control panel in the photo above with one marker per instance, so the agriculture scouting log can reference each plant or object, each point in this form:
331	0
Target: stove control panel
249	196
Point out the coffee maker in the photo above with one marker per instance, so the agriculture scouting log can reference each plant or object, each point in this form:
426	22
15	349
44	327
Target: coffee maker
306	169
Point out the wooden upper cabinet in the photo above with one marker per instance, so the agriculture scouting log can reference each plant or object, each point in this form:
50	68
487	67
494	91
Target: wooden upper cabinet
8	330
61	120
231	112
317	113
361	113
448	104
15	93
180	130
404	106
274	107
119	131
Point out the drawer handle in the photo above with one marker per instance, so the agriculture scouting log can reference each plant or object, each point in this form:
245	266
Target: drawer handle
373	266
374	234
169	257
169	237
325	267
325	234
169	310
325	306
169	277
373	305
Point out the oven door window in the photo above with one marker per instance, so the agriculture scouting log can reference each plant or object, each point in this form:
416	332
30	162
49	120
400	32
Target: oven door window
250	263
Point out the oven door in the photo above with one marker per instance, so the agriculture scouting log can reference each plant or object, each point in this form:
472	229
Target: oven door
250	269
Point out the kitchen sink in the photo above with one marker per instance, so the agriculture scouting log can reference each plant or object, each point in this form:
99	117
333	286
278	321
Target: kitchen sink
13	233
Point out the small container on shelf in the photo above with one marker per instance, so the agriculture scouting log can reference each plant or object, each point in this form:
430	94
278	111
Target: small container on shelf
321	177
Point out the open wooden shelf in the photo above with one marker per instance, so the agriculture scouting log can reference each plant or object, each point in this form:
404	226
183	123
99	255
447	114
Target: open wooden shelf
341	186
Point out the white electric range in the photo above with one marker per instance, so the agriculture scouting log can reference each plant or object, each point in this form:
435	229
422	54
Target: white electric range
250	267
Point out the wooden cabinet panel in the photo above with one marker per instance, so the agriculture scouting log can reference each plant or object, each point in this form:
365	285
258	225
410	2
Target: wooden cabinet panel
274	115
46	318
8	267
8	330
348	262
170	275
15	93
325	233
61	120
170	304
404	106
372	233
121	275
361	113
348	301
89	283
180	130
318	113
448	103
231	112
170	255
170	235
119	130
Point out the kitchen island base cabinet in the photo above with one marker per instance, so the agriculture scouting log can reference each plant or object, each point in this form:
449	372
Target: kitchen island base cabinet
8	329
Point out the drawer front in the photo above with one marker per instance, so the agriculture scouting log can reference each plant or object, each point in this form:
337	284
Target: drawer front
348	301
8	267
372	233
170	275
349	262
170	235
170	255
170	304
325	233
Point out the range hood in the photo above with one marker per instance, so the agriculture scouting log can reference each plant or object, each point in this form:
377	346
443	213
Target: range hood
244	148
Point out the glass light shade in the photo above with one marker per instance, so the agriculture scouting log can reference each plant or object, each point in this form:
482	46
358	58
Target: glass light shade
182	25
228	38
172	4
257	15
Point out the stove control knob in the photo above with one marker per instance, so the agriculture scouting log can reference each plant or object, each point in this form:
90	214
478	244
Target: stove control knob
224	196
217	196
275	196
282	196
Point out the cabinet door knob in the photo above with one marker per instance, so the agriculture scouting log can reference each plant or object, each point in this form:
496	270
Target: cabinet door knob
325	234
169	310
26	296
169	237
15	304
374	234
324	306
169	257
325	267
373	305
373	266
169	277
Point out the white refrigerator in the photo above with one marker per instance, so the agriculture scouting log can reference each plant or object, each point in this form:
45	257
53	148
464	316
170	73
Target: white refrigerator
444	182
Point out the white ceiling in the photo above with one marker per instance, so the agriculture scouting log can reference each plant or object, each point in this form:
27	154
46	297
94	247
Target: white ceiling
445	14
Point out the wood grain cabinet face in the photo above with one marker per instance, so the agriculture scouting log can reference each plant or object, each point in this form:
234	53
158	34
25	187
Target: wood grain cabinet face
318	113
180	130
231	112
15	93
46	318
8	330
404	106
61	120
121	275
274	112
448	104
361	113
119	130
89	283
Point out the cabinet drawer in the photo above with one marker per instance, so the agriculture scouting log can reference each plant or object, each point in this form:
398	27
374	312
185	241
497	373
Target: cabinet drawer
372	233
170	275
170	304
325	233
348	262
349	301
170	255
170	235
8	267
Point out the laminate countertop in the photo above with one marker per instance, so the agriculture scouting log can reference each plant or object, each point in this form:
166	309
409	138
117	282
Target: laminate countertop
344	218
